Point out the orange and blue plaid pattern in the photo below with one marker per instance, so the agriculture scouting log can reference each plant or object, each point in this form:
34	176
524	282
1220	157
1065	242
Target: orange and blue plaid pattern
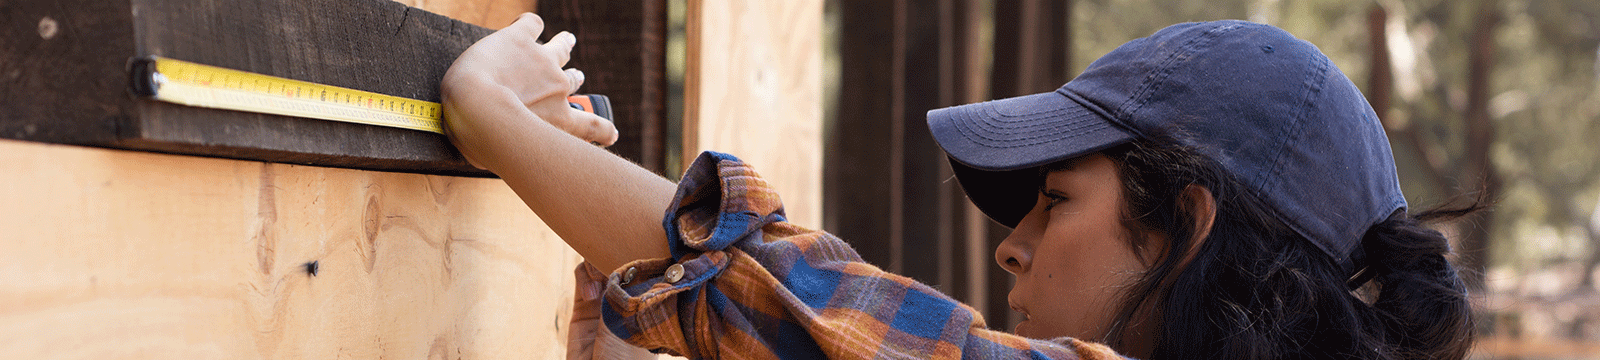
755	286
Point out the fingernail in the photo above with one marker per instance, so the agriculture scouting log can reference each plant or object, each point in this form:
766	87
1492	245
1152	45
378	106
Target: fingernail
578	75
569	37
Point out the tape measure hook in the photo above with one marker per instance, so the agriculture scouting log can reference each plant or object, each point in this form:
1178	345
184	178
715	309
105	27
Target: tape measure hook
144	79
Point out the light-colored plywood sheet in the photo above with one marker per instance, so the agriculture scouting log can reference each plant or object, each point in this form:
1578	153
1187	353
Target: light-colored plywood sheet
493	14
753	88
108	254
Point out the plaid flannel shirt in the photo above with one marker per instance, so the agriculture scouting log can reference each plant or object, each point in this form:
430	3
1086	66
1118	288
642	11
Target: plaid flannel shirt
748	284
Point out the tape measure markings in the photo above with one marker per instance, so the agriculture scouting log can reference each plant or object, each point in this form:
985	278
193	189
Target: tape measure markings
186	83
192	84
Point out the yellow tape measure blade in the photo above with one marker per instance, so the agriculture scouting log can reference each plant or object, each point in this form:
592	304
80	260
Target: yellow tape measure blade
191	84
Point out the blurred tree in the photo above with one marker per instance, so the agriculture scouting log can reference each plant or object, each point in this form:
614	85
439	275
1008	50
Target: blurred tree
1453	148
1527	121
1549	115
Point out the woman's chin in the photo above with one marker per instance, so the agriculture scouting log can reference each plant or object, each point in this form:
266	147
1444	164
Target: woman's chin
1023	329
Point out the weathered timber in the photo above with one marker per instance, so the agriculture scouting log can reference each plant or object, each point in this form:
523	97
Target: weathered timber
622	49
888	187
64	68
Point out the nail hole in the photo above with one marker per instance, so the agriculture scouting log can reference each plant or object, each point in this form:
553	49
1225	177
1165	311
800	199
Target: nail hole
48	28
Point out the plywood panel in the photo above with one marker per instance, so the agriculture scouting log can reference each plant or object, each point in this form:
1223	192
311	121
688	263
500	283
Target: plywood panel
117	254
493	14
753	88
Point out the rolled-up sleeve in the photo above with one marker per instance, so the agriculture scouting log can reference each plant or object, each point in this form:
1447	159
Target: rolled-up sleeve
743	282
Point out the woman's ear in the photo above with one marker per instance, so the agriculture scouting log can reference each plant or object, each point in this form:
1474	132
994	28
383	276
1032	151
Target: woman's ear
1203	207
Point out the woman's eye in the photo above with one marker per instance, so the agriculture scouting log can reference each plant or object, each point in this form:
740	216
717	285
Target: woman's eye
1052	200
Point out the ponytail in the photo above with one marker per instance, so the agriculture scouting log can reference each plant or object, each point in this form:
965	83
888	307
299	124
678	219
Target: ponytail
1422	304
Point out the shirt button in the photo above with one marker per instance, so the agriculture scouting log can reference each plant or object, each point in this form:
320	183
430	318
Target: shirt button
627	276
674	273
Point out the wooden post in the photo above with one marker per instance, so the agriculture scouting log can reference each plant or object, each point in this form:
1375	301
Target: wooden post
888	184
753	88
858	157
622	48
1032	50
973	258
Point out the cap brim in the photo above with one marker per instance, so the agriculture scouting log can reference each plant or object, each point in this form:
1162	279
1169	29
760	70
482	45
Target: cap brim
994	146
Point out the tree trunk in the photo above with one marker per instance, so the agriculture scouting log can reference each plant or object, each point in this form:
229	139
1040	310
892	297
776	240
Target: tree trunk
1480	135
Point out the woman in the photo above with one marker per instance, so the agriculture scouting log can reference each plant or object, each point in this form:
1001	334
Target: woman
1217	190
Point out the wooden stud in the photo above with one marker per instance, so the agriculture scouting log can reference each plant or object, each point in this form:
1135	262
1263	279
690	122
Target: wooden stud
753	88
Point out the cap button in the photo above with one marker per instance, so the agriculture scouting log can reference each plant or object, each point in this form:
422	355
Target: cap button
674	273
627	276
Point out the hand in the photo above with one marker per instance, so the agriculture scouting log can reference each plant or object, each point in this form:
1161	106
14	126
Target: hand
511	67
505	109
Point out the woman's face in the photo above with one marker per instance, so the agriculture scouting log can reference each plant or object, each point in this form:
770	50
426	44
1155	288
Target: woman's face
1071	255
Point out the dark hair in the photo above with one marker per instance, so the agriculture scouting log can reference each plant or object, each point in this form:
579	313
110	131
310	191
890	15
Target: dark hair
1256	289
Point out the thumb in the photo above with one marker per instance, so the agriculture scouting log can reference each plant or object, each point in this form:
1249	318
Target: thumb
593	128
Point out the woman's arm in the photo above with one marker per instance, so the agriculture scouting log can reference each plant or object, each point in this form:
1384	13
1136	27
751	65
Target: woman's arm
505	109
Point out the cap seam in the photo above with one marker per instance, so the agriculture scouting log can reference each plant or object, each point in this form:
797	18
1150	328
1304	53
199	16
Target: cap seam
1030	120
1153	82
970	134
1101	112
1316	80
1052	130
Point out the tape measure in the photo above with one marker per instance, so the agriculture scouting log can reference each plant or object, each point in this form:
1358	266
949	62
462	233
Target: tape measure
186	83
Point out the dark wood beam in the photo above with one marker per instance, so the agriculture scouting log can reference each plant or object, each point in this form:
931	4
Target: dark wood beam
856	174
622	51
1032	52
64	64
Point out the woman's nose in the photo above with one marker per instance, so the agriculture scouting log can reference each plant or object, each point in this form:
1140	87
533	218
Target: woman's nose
1011	256
1015	254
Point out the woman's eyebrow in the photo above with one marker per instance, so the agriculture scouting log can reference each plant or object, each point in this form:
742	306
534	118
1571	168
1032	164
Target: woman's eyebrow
1068	164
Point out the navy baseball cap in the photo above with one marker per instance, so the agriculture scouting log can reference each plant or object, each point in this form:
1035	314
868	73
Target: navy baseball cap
1271	109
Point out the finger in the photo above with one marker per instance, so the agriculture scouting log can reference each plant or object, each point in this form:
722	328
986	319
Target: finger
595	129
534	23
575	78
562	44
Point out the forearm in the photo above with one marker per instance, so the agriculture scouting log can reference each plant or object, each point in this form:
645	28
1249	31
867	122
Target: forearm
605	207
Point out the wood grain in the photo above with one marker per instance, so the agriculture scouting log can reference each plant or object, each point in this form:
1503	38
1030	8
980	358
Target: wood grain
753	88
493	14
118	254
69	85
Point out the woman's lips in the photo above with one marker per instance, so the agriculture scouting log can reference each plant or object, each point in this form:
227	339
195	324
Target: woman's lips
1025	317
